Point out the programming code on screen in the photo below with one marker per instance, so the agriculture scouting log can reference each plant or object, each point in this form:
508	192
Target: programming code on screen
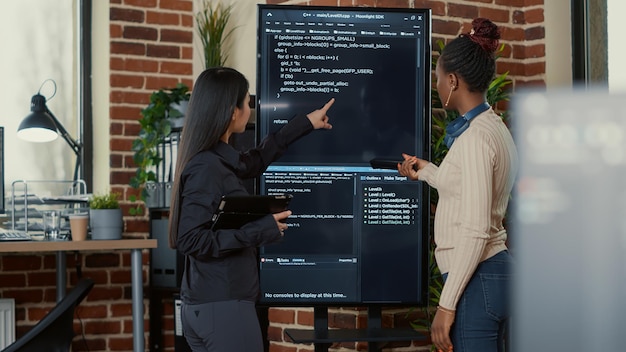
357	234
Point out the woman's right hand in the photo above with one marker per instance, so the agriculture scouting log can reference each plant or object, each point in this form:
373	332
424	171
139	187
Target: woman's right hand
410	166
319	119
280	220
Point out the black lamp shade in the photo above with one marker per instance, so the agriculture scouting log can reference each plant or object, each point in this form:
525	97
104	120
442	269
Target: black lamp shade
39	125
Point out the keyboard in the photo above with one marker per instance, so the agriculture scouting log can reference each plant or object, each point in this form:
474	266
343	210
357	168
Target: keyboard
14	235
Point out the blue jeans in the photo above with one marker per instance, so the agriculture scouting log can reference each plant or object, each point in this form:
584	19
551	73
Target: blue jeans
483	311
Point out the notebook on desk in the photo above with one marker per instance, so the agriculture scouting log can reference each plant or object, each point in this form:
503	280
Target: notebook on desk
14	235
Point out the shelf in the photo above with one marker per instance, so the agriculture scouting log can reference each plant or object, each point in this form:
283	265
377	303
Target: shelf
30	198
351	335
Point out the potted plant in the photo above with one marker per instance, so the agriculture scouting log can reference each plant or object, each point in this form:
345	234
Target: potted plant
211	22
163	114
105	217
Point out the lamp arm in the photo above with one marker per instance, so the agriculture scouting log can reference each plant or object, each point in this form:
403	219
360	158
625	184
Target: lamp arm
75	145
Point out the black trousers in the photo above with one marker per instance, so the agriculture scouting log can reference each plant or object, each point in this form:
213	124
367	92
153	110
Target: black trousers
230	326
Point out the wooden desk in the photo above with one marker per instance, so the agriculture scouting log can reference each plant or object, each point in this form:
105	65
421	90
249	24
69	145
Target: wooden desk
134	245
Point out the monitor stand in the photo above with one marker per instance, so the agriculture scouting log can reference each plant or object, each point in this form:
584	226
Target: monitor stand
374	334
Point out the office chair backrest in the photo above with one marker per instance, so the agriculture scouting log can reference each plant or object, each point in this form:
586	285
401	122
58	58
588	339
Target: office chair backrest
56	330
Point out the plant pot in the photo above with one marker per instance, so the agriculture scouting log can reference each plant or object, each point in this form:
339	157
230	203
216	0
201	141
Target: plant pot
106	224
177	122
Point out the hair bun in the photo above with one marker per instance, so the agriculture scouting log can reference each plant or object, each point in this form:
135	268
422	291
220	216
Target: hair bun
485	33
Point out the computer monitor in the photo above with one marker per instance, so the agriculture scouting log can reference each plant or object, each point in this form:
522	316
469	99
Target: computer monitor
358	235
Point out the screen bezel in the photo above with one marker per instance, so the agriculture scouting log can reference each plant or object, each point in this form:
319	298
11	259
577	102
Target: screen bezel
427	113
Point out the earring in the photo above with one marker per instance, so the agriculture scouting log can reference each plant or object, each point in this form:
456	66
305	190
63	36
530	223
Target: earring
449	95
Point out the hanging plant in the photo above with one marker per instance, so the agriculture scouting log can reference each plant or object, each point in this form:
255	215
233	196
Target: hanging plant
156	125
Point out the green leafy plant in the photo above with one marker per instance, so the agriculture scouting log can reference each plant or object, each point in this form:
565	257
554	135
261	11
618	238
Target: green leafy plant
109	200
156	125
211	23
497	92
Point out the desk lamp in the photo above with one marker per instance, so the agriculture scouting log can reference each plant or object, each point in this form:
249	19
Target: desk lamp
42	126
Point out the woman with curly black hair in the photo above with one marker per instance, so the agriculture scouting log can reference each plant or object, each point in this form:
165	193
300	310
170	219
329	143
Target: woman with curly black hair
474	182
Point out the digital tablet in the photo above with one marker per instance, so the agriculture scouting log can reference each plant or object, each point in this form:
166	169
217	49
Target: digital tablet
235	211
385	164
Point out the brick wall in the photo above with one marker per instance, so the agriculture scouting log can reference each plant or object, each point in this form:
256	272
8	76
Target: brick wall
151	47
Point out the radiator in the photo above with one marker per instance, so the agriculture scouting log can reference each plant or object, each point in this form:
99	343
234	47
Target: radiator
7	322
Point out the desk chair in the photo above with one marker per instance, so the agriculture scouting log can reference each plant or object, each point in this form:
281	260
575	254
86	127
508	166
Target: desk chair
56	330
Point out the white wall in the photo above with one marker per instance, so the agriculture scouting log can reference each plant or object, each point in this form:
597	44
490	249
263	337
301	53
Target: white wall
37	45
101	94
617	49
242	42
558	43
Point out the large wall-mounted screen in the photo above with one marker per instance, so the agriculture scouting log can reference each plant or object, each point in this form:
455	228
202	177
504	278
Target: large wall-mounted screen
357	235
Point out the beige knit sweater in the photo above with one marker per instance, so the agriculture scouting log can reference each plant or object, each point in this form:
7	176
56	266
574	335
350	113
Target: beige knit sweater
474	182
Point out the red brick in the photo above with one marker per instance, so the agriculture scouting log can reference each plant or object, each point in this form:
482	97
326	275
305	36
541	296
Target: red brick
92	311
128	48
183	5
156	17
141	3
103	327
187	20
143	33
23	296
512	34
156	83
126	81
132	129
121	144
463	11
323	2
120	277
535	16
13	279
21	263
125	113
438	8
130	97
43	278
187	53
534	69
343	321
118	177
121	310
511	3
305	317
102	260
137	226
285	316
519	17
531	51
275	333
178	68
126	15
168	51
535	33
115	31
176	36
446	27
495	15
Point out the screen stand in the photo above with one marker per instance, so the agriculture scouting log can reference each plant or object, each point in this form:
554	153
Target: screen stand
374	334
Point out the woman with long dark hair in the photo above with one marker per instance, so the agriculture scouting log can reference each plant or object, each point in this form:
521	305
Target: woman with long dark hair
220	282
474	182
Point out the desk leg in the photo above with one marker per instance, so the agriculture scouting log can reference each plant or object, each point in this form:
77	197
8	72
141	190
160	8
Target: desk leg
137	288
61	275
